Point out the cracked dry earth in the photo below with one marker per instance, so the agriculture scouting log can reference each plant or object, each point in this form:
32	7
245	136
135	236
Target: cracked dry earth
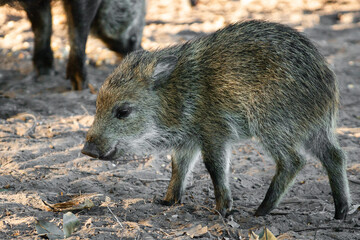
43	126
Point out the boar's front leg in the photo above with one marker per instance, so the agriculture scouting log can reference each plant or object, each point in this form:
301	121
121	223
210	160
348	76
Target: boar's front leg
40	17
182	161
80	14
217	161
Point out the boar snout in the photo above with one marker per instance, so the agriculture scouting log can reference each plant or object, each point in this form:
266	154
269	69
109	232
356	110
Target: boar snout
91	150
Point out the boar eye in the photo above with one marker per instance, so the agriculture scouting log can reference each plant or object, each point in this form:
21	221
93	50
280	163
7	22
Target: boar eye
123	111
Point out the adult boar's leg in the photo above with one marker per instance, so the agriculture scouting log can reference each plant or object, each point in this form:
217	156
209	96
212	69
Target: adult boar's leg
40	18
80	14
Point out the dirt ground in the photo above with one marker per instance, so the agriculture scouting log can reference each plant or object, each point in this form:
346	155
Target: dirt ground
40	157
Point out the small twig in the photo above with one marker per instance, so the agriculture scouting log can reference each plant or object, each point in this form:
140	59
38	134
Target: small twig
144	159
85	110
115	217
154	180
221	217
164	232
22	116
116	175
50	168
141	179
83	172
297	200
278	213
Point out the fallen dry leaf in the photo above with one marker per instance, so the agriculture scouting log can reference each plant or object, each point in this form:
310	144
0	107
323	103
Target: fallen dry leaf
266	234
196	231
146	223
354	208
219	228
284	236
9	94
77	203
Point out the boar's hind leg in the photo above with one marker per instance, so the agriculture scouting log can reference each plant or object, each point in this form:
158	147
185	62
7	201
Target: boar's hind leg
40	18
182	161
323	144
79	14
217	162
288	163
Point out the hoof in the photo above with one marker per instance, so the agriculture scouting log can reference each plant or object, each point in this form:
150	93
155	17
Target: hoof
163	202
342	213
261	212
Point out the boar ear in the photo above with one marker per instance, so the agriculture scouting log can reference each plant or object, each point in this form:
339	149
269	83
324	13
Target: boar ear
163	69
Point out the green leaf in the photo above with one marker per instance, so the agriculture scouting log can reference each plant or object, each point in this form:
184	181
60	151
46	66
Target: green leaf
48	229
70	222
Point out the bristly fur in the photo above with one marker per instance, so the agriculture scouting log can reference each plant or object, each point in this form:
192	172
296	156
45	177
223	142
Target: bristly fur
250	79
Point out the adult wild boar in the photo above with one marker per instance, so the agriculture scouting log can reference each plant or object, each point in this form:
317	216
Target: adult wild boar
119	23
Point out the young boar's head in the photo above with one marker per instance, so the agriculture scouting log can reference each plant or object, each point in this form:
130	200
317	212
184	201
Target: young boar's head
127	108
120	24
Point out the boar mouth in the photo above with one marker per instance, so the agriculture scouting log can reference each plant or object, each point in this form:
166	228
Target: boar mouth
109	155
114	154
91	149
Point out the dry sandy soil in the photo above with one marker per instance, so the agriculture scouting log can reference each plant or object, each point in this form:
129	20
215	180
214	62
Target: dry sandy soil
40	157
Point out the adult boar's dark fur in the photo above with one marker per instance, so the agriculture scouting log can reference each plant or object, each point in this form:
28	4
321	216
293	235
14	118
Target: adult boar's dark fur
251	79
119	23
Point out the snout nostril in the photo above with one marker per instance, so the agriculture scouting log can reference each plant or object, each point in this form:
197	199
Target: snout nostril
90	149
